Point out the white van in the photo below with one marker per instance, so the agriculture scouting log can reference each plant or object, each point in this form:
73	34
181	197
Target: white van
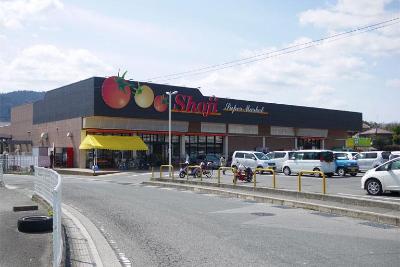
279	158
310	160
252	159
371	159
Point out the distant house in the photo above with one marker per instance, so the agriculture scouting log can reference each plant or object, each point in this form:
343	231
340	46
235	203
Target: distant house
375	133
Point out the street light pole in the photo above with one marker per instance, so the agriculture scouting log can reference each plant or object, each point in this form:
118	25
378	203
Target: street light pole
170	94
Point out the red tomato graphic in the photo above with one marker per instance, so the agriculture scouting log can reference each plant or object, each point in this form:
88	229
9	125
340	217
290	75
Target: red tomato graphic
161	103
116	92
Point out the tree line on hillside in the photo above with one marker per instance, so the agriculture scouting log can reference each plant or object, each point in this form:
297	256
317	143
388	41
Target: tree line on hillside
16	98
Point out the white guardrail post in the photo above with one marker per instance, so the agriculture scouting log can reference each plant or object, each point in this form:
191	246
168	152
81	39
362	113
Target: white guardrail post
48	187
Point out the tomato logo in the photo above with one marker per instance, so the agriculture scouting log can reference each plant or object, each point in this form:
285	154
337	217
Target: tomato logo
145	98
116	93
161	103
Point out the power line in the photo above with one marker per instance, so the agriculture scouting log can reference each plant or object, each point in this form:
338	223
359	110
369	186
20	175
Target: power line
275	53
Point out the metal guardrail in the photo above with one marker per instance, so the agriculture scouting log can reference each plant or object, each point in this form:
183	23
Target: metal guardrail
1	175
48	186
224	168
312	172
170	167
265	170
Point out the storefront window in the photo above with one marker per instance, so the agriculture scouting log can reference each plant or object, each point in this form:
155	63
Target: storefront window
203	145
309	143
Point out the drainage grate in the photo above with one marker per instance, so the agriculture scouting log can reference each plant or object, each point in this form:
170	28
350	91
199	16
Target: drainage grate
250	201
262	214
284	207
327	215
378	225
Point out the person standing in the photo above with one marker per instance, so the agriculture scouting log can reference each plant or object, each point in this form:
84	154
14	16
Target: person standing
222	163
51	159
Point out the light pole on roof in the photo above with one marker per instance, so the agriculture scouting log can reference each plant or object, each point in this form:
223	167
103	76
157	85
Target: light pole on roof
170	94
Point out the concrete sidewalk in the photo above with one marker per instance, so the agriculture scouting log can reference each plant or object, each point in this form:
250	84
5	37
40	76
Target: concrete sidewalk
16	248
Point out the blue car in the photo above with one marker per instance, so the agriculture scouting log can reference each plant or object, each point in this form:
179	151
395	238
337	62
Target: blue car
345	164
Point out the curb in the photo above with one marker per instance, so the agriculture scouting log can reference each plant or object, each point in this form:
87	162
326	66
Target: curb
291	193
100	251
354	213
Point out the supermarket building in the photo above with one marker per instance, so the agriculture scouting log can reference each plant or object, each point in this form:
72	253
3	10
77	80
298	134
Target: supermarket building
200	124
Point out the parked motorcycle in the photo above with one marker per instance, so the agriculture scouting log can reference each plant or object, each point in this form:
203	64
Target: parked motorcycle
205	169
243	174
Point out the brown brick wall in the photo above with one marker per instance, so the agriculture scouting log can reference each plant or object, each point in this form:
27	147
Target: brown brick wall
57	134
21	122
243	143
275	143
194	127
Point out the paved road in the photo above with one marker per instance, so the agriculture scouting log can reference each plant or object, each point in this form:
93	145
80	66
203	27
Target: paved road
166	227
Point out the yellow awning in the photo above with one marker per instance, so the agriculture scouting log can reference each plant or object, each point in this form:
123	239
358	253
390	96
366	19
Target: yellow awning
112	142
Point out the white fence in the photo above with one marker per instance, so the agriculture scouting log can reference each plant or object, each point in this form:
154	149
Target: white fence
18	163
1	175
48	186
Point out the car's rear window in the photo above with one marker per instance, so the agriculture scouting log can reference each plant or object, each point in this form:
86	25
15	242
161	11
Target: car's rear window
239	155
371	155
326	156
279	155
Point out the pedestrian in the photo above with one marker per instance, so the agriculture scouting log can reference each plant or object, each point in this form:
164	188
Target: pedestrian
222	163
51	159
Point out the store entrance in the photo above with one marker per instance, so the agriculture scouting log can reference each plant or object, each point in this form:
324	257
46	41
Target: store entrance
309	143
158	153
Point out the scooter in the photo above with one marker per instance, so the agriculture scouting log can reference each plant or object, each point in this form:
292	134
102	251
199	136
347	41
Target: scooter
184	170
243	174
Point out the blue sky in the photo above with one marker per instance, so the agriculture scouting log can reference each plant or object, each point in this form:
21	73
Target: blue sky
49	43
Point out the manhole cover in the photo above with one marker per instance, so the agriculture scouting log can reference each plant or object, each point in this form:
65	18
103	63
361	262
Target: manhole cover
378	225
262	214
125	183
250	201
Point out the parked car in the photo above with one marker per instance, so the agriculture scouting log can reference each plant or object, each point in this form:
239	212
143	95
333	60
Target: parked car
252	159
345	164
214	159
394	154
310	160
385	177
279	157
371	159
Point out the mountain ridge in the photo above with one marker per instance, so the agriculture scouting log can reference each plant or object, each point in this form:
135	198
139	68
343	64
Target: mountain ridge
16	98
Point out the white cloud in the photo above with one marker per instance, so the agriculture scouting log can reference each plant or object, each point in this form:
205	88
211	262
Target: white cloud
314	76
14	13
347	14
44	67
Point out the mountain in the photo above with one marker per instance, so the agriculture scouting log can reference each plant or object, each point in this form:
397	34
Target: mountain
16	98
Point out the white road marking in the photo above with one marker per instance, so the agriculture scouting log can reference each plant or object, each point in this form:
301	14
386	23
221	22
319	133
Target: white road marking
370	197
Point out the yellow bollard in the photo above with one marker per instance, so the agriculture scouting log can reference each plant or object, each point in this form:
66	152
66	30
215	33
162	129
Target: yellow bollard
299	182
273	179
254	179
219	176
323	183
152	172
